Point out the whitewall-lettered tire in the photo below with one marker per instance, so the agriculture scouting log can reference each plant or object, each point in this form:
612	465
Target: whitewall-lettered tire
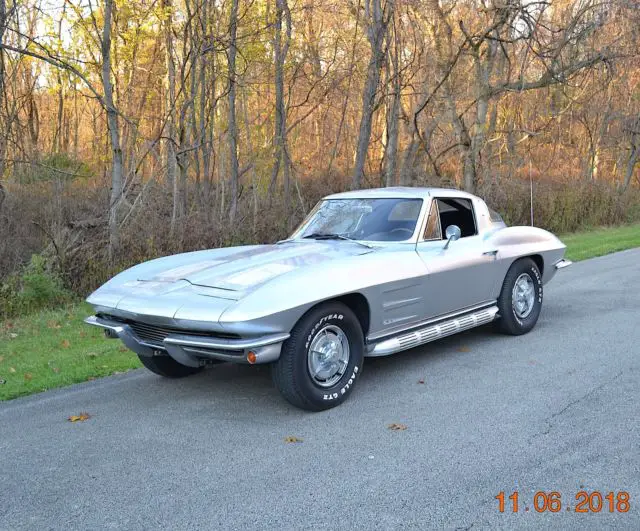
321	361
520	299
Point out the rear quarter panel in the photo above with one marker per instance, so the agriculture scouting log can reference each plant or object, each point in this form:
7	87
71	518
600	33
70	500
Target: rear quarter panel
517	242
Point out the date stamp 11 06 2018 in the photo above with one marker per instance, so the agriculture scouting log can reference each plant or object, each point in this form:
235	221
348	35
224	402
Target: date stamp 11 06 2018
584	502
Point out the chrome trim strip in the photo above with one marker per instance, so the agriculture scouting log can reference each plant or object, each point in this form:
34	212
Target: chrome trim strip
435	331
561	264
225	344
381	336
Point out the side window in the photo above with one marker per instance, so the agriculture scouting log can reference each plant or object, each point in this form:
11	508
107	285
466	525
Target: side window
433	231
457	211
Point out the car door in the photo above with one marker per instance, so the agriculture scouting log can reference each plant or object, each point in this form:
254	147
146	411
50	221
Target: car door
462	274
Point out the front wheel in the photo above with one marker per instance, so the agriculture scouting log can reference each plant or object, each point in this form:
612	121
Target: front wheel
520	299
322	359
168	367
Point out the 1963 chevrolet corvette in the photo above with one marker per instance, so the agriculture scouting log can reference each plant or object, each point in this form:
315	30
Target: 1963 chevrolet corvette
368	273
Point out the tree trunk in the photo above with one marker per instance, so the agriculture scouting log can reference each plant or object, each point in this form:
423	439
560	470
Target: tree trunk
391	149
472	154
114	133
280	133
376	30
170	106
4	114
633	155
233	128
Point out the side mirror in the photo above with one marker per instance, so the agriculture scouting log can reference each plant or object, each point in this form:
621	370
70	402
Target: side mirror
452	234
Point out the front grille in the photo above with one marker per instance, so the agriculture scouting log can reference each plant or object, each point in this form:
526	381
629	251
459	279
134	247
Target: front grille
150	333
156	334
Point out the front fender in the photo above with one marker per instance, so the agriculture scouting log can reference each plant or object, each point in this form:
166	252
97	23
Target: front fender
279	304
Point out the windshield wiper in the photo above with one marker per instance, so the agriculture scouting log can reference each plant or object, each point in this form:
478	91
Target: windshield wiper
333	236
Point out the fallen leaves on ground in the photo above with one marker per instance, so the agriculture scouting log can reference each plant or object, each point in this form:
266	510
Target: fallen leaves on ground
54	324
79	418
65	343
396	426
28	376
55	369
421	381
12	370
13	336
292	439
464	348
122	349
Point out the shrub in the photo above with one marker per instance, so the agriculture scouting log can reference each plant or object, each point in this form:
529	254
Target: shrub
35	287
69	223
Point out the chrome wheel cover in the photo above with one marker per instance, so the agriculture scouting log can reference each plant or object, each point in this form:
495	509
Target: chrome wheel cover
328	356
523	296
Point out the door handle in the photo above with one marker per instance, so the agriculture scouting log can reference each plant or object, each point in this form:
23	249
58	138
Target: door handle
494	252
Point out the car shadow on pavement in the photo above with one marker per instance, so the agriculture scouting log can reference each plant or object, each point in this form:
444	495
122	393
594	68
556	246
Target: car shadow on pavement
230	385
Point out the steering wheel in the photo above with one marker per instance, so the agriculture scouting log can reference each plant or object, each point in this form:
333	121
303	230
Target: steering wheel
402	229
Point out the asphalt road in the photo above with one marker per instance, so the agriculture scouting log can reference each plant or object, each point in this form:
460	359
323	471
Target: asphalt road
555	410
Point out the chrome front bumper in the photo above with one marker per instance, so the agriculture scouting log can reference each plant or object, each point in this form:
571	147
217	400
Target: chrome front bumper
561	264
192	350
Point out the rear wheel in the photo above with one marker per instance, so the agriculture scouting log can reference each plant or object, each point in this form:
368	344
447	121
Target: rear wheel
520	299
168	367
322	359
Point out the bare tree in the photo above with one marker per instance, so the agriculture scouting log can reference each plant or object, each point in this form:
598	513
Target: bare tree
280	134
634	152
170	104
117	181
377	19
393	112
233	128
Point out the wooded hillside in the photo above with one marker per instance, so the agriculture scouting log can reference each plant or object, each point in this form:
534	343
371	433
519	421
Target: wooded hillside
133	129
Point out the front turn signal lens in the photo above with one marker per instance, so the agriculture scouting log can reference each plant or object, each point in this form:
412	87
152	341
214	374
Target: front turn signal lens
251	357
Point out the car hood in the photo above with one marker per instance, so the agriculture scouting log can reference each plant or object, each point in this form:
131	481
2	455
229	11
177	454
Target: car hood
247	268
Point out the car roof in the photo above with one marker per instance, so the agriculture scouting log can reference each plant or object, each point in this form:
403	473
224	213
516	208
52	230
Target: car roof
400	192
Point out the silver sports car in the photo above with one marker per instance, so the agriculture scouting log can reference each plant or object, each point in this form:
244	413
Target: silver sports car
368	273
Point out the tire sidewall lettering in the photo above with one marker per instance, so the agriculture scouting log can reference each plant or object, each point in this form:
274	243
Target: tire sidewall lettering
535	275
344	389
336	316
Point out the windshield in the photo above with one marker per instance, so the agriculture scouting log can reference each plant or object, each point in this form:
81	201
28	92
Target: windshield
389	220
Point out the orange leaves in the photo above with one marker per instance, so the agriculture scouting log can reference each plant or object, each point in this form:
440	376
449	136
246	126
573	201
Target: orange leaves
292	439
79	418
65	343
464	348
28	376
396	426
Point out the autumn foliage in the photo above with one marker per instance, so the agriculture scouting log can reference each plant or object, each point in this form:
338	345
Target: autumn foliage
135	129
